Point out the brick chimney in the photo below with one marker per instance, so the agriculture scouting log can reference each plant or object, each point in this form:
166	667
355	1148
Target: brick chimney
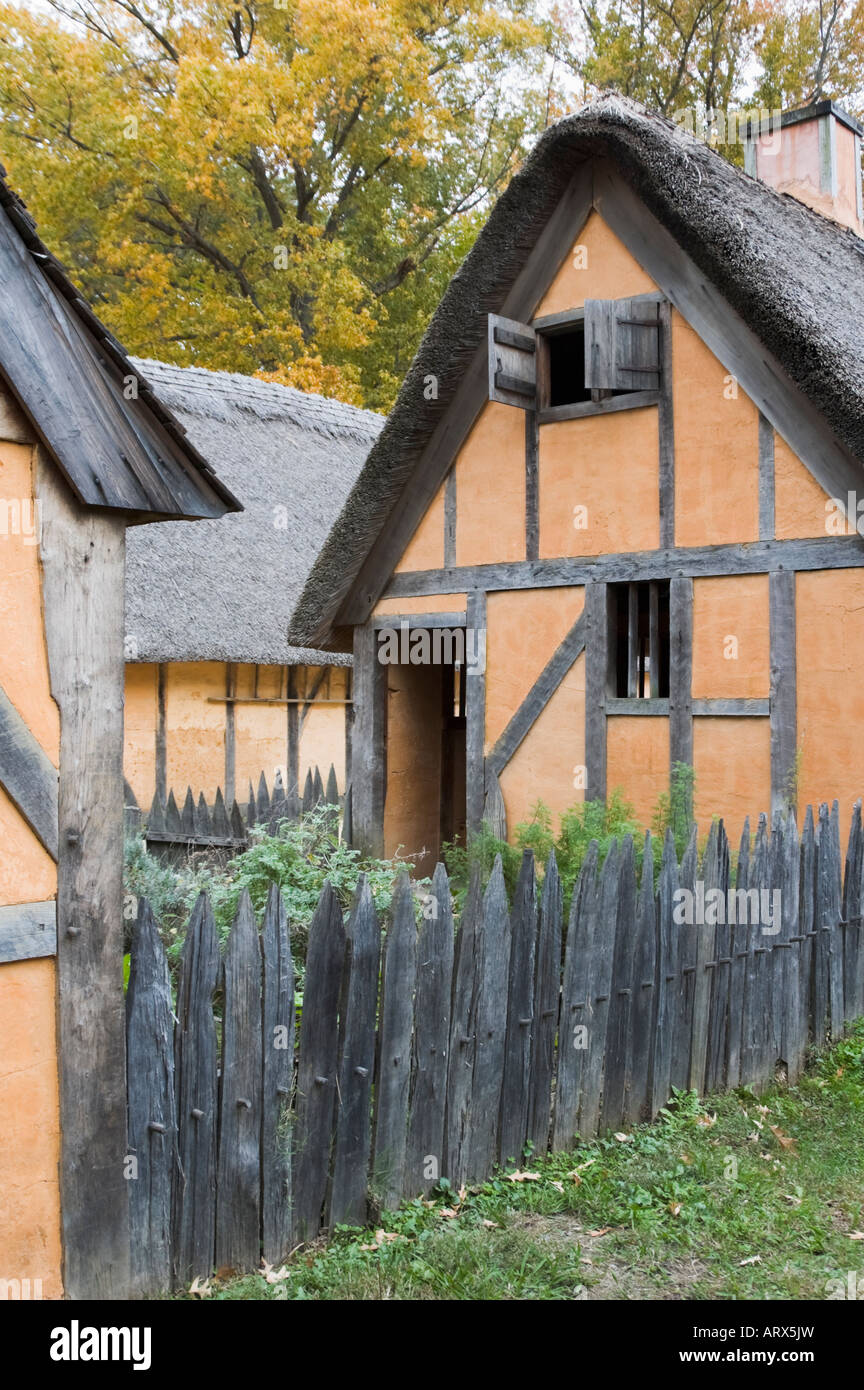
815	156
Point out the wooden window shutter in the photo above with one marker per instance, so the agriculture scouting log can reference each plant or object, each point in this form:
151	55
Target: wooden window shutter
512	362
622	344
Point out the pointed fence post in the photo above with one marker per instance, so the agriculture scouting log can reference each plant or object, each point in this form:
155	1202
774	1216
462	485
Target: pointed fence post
490	1024
424	1159
643	1026
547	992
599	989
277	1079
316	1072
516	1088
461	1039
150	1096
393	1076
668	978
349	1188
196	1096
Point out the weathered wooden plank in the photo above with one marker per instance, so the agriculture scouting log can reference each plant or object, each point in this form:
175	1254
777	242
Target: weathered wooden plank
316	1071
760	1028
619	1020
462	1042
494	809
853	912
532	485
833	921
599	989
28	930
277	1079
547	991
766	479
489	1025
317	787
368	768
28	775
83	563
349	1189
262	803
596	682
574	1036
515	1090
739	949
393	1072
151	1115
238	1174
807	928
680	670
638	707
196	1095
679	1070
753	557
719	969
705	954
668	978
308	802
331	793
450	513
424	1158
475	712
643	1021
784	702
538	696
787	976
666	429
732	708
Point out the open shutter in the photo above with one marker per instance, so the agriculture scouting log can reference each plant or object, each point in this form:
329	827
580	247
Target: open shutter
512	362
622	344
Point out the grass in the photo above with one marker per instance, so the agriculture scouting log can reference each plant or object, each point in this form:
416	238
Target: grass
736	1197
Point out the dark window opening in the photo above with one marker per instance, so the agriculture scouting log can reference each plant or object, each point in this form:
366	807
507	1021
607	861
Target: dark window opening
639	640
566	355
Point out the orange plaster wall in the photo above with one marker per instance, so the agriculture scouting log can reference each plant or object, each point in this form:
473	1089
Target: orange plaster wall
425	550
830	682
490	488
731	607
194	728
732	763
28	874
432	603
637	761
549	764
413	797
716	448
30	1147
799	501
23	659
322	737
608	464
598	266
139	729
524	627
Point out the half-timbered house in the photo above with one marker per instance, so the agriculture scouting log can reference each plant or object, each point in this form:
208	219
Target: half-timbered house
621	466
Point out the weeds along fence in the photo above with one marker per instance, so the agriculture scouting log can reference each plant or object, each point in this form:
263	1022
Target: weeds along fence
174	827
450	1051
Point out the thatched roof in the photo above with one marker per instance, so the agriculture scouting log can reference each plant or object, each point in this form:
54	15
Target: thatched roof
223	591
794	277
71	377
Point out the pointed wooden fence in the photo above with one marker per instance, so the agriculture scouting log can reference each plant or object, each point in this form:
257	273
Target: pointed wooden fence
170	830
449	1052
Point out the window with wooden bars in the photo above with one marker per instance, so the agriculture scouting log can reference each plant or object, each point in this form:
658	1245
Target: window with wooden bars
639	640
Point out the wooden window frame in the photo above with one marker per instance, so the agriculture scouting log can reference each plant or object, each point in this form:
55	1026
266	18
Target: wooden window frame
550	326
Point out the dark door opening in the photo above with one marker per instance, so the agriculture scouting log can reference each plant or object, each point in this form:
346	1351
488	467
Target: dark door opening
453	754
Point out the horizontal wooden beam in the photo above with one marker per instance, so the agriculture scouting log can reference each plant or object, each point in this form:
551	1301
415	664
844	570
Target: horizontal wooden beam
28	931
732	708
756	557
268	700
576	410
538	696
428	620
28	775
633	705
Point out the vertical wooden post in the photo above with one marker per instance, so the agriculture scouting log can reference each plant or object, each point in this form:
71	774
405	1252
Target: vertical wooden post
368	771
83	560
475	709
666	428
680	670
532	485
292	734
596	678
766	479
230	740
781	591
161	788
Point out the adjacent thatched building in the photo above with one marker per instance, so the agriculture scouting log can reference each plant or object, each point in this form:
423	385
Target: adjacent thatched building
650	387
214	691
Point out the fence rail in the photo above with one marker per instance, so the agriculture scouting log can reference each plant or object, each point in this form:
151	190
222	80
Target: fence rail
170	831
447	1052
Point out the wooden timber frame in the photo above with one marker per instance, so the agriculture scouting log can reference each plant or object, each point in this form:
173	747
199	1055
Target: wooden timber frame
782	407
